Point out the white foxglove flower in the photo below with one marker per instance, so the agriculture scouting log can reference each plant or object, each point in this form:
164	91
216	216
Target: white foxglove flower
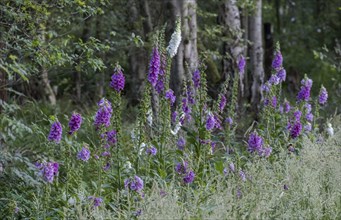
174	43
142	147
330	129
176	129
127	165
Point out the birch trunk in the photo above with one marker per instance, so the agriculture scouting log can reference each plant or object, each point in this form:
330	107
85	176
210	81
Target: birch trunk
256	54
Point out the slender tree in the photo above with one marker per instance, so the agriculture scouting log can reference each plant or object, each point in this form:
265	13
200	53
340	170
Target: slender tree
256	53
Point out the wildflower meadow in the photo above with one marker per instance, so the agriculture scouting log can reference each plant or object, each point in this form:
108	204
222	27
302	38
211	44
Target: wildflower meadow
186	154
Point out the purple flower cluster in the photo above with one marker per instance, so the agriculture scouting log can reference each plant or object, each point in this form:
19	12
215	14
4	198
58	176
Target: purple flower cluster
196	79
182	169
229	121
274	101
75	123
241	65
135	184
111	137
255	143
222	103
154	67
160	85
97	201
48	170
304	93
181	143
55	132
295	129
210	122
242	175
274	80
151	151
170	96
117	80
103	114
84	154
323	96
277	61
286	107
281	75
189	177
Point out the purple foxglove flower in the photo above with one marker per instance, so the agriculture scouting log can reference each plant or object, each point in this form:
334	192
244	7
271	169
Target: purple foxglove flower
151	151
296	129
267	151
307	82
75	123
231	167
297	115
217	123
274	80
111	137
126	183
97	201
106	167
286	106
196	79
285	187
154	67
307	127
309	117
241	65
281	74
117	79
274	102
222	103
229	120
48	170
266	102
190	96
210	122
181	167
189	177
277	61
84	154
308	107
225	171
181	143
103	115
213	145
255	143
304	93
160	86
185	108
105	154
55	132
174	115
138	212
136	184
170	96
323	96
242	175
266	87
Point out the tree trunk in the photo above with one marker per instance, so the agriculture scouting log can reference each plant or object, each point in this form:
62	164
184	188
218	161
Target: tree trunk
45	79
256	54
47	87
190	35
232	50
245	27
